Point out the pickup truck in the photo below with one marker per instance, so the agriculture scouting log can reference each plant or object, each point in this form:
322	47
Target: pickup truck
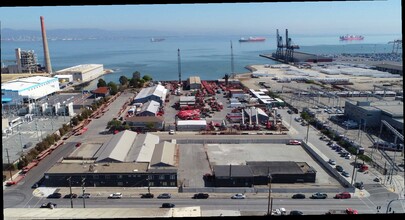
201	196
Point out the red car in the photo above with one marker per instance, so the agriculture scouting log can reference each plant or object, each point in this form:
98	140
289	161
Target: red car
343	195
294	142
78	144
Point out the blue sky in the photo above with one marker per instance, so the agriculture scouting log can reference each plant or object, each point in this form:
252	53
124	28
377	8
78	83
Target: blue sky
307	18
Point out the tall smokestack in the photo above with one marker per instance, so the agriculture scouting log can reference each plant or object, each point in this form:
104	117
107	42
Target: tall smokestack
48	67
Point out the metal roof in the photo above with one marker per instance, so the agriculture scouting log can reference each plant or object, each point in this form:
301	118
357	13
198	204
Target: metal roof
150	106
157	90
83	68
142	149
67	168
26	83
252	112
191	122
163	154
194	80
118	147
232	170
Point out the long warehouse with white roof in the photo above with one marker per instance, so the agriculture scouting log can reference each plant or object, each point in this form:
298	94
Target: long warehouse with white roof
36	87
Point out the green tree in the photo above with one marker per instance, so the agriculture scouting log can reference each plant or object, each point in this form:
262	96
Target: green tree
114	124
101	83
147	78
113	88
123	80
136	75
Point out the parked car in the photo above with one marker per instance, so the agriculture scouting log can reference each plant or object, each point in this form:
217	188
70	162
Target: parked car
289	111
296	212
201	196
294	142
331	162
329	143
78	144
54	196
339	168
164	196
68	196
85	195
343	195
359	185
115	196
167	205
238	196
147	195
376	179
298	196
346	174
49	205
319	195
34	186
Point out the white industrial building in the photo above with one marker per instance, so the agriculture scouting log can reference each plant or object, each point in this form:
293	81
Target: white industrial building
83	72
150	108
156	93
191	125
36	87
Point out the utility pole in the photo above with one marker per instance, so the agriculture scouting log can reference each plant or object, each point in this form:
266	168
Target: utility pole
70	187
9	168
306	140
83	189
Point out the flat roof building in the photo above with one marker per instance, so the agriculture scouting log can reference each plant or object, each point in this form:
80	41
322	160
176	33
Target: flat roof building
257	172
370	114
36	87
83	72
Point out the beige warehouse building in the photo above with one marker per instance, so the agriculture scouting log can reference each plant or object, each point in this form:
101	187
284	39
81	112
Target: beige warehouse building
83	72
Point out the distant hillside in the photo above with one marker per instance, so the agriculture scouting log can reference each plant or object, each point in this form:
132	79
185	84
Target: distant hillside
8	33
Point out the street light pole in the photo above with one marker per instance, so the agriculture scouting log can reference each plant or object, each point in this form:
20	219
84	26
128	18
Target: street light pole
354	166
268	202
70	187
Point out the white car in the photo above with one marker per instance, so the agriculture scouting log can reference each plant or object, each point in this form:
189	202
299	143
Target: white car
115	196
238	196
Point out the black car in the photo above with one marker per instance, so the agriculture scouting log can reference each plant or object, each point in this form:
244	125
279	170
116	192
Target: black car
296	212
298	196
68	196
167	205
339	168
289	111
49	205
147	195
201	196
54	196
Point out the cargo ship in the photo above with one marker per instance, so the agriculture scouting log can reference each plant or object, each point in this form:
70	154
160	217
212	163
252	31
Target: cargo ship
156	39
252	39
351	37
